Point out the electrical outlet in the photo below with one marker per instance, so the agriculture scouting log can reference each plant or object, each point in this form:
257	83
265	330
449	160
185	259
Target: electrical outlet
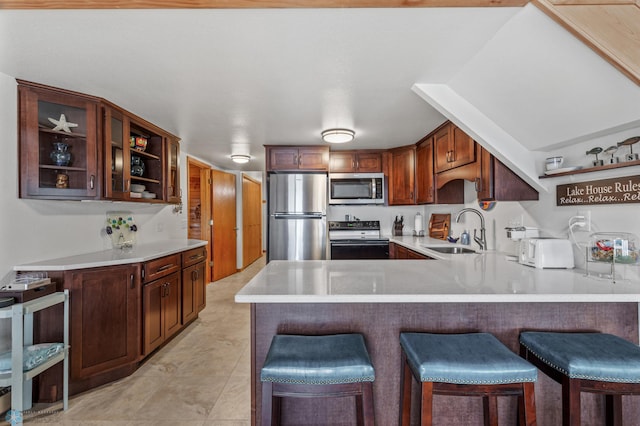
587	219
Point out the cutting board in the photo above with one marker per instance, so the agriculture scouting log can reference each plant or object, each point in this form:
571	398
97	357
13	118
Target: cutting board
439	225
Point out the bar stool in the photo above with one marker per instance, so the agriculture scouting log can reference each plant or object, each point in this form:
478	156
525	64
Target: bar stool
474	364
589	362
317	366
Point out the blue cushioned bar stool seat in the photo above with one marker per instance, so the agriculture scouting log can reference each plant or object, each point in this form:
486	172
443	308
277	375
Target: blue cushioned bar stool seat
317	366
589	362
474	364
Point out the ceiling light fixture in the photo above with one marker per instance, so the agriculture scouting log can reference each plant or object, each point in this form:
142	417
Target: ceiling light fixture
240	158
338	135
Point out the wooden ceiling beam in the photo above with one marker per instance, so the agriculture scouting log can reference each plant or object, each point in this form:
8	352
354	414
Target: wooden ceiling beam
249	4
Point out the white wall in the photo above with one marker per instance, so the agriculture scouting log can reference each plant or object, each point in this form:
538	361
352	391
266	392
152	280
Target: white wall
32	230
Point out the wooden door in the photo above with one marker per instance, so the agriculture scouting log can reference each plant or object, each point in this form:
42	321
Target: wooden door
464	148
442	148
172	305
342	162
251	220
369	162
199	204
224	223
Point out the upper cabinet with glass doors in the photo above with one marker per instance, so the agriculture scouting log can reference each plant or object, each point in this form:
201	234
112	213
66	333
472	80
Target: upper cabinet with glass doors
139	160
58	144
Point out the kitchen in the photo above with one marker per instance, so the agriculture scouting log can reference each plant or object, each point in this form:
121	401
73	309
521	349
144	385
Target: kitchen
591	114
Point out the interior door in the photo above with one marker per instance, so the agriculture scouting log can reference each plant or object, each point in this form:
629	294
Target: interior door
251	220
199	202
223	201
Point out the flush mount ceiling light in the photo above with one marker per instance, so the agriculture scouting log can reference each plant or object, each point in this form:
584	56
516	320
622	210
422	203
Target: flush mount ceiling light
338	135
240	158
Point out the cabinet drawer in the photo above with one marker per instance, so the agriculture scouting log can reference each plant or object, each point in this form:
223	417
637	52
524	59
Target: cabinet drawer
161	267
193	256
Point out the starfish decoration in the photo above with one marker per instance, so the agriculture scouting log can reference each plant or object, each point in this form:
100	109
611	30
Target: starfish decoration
62	124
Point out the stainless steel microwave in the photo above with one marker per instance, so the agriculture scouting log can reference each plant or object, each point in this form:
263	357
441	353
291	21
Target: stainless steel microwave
356	188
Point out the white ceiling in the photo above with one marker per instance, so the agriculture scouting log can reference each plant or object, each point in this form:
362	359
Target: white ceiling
228	80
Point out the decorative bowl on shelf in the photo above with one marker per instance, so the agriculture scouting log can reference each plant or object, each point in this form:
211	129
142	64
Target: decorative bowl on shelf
136	187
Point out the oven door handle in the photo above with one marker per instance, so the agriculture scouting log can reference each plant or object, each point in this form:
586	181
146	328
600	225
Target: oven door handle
359	243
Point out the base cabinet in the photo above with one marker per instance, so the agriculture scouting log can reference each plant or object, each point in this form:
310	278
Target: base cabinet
396	251
105	319
162	311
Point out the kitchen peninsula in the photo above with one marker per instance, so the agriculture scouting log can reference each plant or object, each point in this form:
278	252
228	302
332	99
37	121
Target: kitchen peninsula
451	293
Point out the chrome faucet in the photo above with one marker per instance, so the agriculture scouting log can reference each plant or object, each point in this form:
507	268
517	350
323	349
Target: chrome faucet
482	240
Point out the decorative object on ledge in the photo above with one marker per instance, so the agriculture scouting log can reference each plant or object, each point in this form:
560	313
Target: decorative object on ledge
338	135
397	226
62	124
122	229
629	142
622	190
610	151
611	248
595	151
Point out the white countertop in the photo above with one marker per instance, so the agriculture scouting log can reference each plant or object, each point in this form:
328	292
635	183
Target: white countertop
139	253
461	278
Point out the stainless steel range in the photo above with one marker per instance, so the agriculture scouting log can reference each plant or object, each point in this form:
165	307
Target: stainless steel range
357	240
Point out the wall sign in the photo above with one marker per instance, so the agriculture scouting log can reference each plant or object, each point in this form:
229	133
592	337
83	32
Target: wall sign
607	191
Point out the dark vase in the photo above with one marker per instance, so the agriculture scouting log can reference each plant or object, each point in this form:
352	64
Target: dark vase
137	166
60	154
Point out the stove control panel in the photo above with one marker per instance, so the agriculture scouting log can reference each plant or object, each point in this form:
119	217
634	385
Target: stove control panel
355	225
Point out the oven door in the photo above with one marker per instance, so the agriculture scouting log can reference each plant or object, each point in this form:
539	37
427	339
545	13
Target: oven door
359	249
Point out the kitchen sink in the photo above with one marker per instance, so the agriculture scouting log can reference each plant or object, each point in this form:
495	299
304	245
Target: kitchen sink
450	250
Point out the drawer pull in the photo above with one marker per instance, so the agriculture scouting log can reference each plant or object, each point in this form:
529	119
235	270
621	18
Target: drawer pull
165	267
195	256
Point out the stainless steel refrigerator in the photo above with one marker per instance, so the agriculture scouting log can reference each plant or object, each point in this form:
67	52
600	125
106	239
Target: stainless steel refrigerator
297	216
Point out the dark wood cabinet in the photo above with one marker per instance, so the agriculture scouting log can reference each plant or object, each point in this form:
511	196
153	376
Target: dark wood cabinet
425	188
355	162
98	153
452	148
161	310
397	251
161	300
297	158
172	178
193	283
58	143
105	319
496	181
402	175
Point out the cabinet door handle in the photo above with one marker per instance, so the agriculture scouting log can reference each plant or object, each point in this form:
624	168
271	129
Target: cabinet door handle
132	282
299	160
165	267
194	275
126	185
168	288
92	181
478	183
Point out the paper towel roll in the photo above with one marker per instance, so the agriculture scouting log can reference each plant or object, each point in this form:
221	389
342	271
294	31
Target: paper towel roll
418	225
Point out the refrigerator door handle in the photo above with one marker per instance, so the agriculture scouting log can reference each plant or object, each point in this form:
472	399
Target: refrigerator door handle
297	216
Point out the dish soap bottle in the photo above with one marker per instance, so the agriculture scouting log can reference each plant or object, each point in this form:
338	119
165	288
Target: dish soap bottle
464	238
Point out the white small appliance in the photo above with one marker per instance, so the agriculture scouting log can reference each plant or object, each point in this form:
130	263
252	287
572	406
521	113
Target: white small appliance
546	253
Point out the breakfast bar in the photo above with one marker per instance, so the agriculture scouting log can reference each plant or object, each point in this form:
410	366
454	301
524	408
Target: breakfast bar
481	292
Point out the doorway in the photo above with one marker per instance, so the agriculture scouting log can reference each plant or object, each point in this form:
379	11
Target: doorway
223	202
251	220
199	201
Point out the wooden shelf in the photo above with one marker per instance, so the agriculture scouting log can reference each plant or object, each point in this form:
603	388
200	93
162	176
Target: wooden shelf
594	169
144	154
67	168
65	134
144	179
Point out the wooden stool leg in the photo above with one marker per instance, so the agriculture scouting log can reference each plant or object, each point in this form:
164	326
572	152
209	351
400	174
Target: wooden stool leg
490	403
570	401
613	410
367	404
267	401
426	406
405	392
527	405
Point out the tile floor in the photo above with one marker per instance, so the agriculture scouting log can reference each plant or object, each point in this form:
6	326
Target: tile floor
200	378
